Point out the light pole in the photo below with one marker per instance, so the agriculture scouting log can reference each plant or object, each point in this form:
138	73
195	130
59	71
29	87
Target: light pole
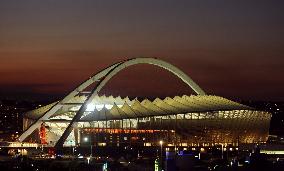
91	150
86	139
161	143
222	151
73	151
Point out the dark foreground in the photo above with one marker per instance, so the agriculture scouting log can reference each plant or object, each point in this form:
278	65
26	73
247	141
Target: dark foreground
146	164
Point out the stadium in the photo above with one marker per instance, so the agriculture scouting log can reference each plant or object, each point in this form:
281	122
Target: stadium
84	117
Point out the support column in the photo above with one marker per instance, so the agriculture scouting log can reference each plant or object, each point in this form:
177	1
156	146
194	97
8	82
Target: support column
76	136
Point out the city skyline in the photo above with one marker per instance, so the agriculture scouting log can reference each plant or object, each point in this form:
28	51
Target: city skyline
231	49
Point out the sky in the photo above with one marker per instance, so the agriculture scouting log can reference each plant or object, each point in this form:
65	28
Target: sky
233	49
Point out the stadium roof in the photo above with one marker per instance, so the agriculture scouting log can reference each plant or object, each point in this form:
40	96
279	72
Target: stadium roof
115	108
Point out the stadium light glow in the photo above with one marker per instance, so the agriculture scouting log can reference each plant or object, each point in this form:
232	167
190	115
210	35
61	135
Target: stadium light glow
108	106
91	107
99	107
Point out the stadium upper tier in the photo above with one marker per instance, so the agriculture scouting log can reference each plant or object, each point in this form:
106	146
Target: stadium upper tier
116	108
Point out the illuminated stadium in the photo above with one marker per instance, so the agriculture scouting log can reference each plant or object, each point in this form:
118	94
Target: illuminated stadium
189	120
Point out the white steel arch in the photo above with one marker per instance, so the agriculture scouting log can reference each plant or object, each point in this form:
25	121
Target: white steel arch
103	77
180	74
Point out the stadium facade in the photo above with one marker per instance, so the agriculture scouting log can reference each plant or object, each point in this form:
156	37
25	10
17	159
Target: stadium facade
84	117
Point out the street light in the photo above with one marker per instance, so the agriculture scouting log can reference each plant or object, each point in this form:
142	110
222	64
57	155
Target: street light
86	139
161	143
73	150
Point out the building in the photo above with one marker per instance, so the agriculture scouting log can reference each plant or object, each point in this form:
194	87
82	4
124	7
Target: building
83	117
